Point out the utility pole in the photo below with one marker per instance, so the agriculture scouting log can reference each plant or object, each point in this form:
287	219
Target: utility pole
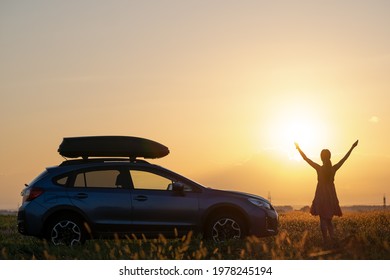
384	202
269	197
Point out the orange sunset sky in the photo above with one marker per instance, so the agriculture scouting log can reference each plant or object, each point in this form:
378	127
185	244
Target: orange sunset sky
228	86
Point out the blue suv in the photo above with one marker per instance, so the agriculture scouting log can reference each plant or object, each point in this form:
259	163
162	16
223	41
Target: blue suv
92	197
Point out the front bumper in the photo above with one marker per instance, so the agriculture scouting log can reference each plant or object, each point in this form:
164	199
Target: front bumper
266	223
272	225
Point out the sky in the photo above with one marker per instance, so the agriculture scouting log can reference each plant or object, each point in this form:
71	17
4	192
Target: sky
228	86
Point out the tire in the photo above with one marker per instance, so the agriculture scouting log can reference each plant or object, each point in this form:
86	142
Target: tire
69	231
224	227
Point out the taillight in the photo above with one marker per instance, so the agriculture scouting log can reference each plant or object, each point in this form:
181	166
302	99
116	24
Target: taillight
31	193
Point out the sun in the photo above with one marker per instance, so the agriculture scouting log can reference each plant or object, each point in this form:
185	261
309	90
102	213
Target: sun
300	118
288	128
303	132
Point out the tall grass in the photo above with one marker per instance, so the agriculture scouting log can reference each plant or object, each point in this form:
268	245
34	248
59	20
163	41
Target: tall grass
360	236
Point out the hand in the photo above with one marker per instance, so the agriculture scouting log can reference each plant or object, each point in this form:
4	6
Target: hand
355	144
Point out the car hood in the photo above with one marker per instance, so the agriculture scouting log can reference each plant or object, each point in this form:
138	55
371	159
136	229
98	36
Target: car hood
241	194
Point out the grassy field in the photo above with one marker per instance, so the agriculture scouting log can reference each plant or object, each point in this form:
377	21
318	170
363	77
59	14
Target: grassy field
363	236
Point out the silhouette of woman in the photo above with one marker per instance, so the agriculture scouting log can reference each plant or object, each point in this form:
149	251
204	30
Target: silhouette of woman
326	203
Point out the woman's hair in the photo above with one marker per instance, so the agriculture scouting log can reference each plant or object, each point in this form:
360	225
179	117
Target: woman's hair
327	164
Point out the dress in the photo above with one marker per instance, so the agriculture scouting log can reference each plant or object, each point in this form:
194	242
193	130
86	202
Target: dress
325	203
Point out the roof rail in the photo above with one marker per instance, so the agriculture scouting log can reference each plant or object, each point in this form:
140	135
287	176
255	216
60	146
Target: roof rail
92	160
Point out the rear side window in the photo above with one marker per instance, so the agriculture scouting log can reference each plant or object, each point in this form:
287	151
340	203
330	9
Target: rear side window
97	179
62	181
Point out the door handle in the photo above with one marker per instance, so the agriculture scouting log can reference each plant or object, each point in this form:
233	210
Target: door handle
81	195
141	198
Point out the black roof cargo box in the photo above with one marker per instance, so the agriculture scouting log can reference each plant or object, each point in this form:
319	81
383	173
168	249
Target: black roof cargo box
111	146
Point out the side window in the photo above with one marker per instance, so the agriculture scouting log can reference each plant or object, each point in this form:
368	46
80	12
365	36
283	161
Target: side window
149	181
97	179
61	181
80	180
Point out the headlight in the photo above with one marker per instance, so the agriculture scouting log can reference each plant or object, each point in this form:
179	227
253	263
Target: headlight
260	203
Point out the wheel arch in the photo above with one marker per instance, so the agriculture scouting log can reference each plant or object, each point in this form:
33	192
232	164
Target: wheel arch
224	208
66	212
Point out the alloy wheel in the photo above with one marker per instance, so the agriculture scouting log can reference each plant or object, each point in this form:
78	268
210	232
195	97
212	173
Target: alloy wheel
225	229
66	232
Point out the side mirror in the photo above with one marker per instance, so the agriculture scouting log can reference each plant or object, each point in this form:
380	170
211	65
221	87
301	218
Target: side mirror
178	187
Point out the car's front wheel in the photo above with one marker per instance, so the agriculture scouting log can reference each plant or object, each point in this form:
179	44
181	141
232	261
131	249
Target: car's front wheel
223	227
68	231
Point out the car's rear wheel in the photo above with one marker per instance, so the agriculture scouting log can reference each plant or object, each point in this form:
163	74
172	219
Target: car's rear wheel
224	227
68	231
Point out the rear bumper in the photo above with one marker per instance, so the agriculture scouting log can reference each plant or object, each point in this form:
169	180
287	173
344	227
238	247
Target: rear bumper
22	222
30	220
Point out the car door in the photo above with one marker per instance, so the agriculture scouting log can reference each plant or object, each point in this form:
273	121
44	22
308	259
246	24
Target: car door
104	196
157	208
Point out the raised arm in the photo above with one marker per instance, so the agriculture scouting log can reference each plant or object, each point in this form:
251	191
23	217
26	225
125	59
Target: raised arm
341	162
309	161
